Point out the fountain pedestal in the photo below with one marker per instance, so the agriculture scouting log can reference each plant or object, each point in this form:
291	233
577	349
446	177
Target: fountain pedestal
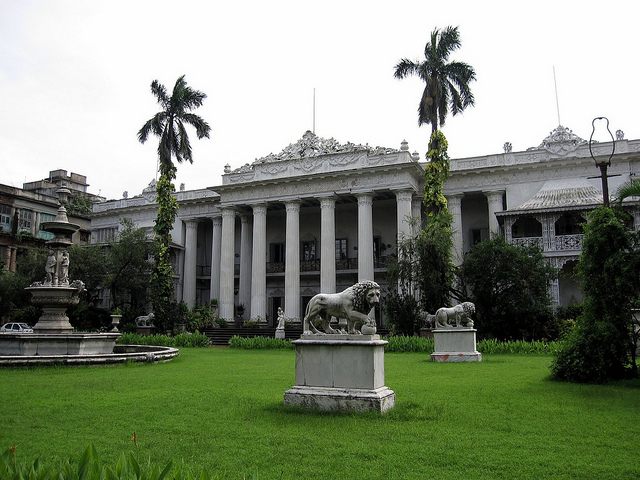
54	302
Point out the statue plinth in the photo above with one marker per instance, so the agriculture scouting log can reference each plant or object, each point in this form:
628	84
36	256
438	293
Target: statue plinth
455	345
340	372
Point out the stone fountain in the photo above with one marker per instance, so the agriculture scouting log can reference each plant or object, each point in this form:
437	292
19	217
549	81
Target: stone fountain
54	340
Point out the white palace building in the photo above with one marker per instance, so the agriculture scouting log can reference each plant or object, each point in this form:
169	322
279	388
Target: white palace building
321	215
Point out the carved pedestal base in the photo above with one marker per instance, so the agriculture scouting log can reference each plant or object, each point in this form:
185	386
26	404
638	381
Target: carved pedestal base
280	333
340	372
455	345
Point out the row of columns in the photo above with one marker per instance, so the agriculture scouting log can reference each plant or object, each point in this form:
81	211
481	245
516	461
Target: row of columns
454	202
253	249
253	253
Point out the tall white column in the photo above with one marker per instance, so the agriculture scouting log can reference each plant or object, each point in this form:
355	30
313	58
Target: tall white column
403	210
365	236
292	261
244	290
215	258
494	203
259	263
454	203
416	214
190	257
226	263
328	245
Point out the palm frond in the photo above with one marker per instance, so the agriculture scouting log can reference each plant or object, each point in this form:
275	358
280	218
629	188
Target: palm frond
629	189
160	92
449	41
184	146
406	67
202	127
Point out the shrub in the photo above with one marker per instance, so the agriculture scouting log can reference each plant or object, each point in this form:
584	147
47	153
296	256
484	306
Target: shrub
90	467
403	343
598	349
509	286
256	343
196	339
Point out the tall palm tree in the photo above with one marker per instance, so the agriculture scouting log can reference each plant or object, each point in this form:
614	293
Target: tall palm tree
169	125
629	189
446	83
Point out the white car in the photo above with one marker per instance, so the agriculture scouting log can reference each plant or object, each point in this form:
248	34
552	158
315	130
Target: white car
16	328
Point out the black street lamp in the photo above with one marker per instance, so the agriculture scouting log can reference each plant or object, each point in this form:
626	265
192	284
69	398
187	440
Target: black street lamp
603	161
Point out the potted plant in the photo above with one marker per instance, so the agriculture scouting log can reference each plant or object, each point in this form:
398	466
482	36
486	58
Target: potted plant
116	316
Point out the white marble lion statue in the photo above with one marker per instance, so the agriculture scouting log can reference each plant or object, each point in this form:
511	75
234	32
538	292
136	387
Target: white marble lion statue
353	305
145	320
459	314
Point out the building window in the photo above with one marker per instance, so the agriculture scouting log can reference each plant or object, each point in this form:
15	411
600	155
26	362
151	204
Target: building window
341	248
308	250
104	235
526	227
276	252
25	220
5	218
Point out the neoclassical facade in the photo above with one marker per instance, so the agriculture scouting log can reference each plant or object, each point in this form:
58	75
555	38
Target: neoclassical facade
321	215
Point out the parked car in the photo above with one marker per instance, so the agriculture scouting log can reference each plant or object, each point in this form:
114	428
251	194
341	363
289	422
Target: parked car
16	328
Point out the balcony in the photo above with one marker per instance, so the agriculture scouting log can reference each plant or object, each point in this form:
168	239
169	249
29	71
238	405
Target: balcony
560	243
528	242
568	242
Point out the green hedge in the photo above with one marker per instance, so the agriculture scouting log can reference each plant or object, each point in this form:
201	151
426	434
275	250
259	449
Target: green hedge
259	343
196	339
90	467
402	343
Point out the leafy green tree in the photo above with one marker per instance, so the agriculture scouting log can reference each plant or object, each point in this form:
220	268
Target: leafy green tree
509	286
169	125
599	347
446	82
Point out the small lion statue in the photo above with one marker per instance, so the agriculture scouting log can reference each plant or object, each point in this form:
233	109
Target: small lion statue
145	320
353	305
459	314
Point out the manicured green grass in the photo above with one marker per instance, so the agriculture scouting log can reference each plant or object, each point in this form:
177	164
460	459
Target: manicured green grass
221	409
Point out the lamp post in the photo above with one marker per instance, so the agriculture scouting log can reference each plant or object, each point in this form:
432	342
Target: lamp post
603	161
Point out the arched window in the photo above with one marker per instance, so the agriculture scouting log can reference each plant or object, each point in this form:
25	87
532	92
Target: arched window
526	226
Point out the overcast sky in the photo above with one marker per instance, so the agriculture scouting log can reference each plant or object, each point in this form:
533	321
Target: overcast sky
75	77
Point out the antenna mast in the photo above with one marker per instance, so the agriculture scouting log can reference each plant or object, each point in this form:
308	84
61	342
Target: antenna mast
555	84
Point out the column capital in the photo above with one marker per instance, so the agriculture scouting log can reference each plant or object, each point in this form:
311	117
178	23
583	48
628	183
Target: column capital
217	220
292	205
364	198
455	200
191	223
493	195
228	212
404	195
328	202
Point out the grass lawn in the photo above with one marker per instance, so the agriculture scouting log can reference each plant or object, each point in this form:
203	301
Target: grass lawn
222	410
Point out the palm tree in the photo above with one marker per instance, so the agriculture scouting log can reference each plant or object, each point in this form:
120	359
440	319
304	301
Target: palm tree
446	84
629	189
169	125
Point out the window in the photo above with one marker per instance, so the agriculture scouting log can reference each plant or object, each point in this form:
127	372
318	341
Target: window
104	235
308	250
5	218
341	248
25	220
276	252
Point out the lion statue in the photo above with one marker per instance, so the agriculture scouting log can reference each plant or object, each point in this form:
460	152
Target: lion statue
459	314
353	305
145	320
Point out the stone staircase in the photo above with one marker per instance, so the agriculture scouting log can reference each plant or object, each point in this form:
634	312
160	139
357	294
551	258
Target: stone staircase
221	336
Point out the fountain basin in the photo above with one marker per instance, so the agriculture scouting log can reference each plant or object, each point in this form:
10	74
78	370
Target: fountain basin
54	301
57	343
120	354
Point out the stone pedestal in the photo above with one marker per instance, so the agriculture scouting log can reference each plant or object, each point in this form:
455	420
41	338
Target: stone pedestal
280	333
340	372
455	345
